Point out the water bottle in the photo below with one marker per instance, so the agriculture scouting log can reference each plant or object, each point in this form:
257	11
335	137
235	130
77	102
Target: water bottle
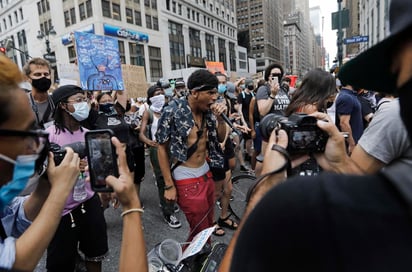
79	191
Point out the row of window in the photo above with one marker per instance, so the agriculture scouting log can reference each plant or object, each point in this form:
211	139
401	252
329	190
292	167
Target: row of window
207	21
177	52
133	16
13	18
85	11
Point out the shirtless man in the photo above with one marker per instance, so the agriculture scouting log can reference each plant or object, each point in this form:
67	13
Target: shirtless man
189	133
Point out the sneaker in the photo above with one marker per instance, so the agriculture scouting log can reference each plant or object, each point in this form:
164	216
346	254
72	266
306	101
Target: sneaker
244	169
172	221
175	209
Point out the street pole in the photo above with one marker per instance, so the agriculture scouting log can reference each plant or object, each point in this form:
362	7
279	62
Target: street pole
340	34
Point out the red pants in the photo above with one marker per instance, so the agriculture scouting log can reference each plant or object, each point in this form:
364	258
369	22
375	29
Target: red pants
195	197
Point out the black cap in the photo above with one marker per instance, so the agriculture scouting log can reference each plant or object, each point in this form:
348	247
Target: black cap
65	91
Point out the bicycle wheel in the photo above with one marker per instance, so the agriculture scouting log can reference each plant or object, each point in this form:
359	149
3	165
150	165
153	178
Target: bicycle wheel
241	184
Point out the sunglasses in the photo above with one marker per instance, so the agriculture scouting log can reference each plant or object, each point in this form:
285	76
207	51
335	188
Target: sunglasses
36	140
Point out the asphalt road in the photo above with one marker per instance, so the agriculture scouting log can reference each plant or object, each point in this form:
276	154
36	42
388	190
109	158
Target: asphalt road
155	229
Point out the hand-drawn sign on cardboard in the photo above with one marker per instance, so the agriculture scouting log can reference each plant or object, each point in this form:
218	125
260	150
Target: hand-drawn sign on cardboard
99	62
134	80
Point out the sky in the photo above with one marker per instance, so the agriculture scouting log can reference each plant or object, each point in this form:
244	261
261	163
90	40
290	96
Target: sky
327	7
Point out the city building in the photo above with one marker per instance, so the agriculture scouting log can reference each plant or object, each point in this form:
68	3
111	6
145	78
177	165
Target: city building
166	37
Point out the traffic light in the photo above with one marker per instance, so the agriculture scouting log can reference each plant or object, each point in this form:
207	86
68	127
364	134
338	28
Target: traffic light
3	50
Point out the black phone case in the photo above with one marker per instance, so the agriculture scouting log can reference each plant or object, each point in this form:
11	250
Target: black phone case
89	135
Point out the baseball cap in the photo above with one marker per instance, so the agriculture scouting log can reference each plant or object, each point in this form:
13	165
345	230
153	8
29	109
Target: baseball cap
230	90
65	91
180	83
372	69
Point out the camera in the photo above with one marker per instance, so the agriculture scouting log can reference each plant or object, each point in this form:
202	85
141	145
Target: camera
59	151
304	136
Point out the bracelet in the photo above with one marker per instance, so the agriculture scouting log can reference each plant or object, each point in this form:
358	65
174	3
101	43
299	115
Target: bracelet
168	187
140	210
271	97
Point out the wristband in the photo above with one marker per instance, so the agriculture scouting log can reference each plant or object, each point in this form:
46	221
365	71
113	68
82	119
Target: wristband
271	97
168	187
140	210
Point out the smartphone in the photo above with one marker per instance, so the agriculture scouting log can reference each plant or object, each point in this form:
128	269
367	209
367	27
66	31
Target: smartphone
275	80
101	157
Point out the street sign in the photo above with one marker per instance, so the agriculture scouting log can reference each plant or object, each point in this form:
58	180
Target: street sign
344	13
356	39
50	58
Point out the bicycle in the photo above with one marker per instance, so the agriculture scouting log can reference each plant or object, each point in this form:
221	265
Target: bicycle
241	184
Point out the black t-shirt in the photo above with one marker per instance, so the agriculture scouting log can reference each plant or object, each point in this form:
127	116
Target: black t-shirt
244	99
327	223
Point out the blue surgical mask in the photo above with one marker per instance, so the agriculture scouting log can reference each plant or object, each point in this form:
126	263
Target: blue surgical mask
169	92
24	167
221	88
81	111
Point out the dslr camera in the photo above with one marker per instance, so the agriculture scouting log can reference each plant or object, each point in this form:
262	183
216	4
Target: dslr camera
304	136
59	151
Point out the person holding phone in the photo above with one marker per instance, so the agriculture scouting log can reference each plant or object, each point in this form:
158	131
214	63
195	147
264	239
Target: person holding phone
27	223
82	224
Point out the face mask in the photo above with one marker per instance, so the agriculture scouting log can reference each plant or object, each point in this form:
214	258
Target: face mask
405	98
42	84
221	88
106	107
23	170
242	86
81	111
329	104
157	102
169	92
250	87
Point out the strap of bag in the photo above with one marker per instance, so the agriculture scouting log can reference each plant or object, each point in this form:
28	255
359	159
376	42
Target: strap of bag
2	232
191	150
50	109
398	175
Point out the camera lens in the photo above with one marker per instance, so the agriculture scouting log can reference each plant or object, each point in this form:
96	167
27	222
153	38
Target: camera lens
269	123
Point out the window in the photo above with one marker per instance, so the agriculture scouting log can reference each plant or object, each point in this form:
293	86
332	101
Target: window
155	23
21	13
148	21
72	54
147	3
154	4
89	8
179	9
106	9
129	16
176	43
232	56
116	12
72	16
82	12
136	52
66	18
137	18
195	45
210	47
222	52
155	59
121	52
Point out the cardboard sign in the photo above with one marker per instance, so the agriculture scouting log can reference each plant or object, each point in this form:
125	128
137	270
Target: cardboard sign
134	79
215	67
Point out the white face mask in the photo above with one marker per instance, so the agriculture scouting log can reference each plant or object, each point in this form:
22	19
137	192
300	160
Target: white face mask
157	103
81	111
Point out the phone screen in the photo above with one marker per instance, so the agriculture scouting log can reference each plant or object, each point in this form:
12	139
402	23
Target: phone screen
102	159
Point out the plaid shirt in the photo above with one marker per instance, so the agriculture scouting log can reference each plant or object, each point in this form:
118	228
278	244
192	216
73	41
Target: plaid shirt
175	125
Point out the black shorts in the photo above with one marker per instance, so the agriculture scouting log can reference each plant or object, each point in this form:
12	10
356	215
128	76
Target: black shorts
89	231
139	163
229	153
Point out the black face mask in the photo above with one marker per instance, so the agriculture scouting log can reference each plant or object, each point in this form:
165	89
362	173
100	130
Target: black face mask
106	107
329	104
405	99
42	84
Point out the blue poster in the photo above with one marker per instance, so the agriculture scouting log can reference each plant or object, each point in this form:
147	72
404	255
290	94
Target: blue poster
99	62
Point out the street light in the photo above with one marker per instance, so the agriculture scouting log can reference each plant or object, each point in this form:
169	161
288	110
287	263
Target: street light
45	35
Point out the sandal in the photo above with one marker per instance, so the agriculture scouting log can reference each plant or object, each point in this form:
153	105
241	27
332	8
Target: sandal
219	231
222	223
